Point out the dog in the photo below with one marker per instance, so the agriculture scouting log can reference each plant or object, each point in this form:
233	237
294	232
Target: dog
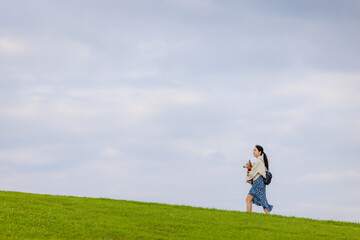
249	166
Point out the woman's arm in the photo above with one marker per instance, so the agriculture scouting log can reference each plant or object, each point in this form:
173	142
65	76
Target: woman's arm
251	181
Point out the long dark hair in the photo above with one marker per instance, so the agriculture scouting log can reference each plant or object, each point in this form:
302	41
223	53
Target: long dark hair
261	149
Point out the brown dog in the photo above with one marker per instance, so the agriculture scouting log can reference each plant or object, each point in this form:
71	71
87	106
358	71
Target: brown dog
249	166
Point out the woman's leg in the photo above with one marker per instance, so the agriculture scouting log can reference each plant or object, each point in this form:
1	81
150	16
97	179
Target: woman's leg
266	211
249	198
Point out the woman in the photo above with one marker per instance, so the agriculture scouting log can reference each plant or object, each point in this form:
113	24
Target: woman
257	193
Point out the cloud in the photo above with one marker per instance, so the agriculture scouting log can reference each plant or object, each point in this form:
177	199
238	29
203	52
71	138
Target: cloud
140	74
80	110
39	47
12	47
24	156
198	5
332	89
71	50
329	177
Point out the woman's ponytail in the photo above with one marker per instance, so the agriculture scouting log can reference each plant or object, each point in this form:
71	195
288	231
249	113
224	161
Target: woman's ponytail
266	161
261	149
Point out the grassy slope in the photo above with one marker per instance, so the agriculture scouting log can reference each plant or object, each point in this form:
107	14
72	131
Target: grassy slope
26	216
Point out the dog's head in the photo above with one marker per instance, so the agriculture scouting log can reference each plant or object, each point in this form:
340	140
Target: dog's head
248	165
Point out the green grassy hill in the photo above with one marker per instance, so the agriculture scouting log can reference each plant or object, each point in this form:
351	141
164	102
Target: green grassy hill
34	216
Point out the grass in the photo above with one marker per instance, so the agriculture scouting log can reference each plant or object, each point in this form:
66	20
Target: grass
35	216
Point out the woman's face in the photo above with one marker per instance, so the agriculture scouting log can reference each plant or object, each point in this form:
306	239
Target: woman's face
256	152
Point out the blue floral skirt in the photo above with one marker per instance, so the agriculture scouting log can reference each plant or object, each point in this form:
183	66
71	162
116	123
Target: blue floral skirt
258	191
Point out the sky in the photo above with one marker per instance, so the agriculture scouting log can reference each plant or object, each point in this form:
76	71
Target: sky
164	101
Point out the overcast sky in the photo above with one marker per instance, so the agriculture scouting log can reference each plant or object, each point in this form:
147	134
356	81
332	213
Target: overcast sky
163	101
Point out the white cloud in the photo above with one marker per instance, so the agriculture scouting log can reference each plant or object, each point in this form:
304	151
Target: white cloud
138	102
12	47
136	74
57	49
158	48
25	111
197	5
27	156
111	152
156	95
79	111
329	177
153	49
62	49
330	89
